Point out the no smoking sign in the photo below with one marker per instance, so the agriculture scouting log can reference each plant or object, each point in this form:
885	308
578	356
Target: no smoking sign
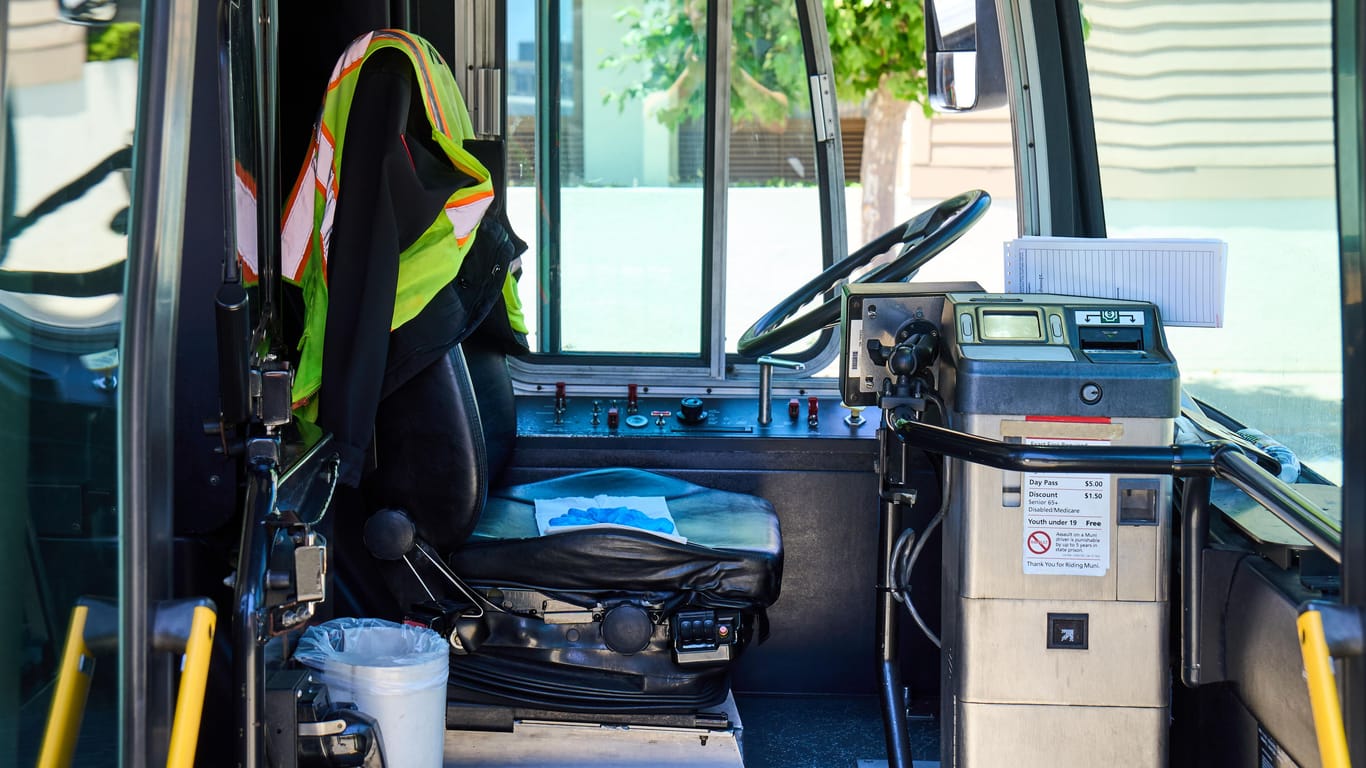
1039	542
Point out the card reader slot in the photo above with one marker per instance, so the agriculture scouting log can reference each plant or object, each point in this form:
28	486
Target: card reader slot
1095	339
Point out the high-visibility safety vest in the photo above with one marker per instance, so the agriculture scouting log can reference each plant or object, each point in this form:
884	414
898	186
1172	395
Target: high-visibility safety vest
434	259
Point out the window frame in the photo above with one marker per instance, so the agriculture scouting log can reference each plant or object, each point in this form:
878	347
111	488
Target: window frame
712	367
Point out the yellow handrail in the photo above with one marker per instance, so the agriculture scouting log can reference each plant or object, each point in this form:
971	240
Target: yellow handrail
194	679
94	630
68	699
1323	691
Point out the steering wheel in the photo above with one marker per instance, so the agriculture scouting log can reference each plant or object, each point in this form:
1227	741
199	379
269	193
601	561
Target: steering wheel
922	237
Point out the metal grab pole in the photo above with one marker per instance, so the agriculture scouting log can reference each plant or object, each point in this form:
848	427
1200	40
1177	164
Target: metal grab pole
1194	539
248	633
1215	459
889	665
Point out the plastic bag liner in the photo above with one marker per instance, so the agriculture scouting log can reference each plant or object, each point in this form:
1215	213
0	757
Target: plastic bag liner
395	673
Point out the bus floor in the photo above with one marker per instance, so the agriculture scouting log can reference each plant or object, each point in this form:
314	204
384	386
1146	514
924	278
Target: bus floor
826	732
766	732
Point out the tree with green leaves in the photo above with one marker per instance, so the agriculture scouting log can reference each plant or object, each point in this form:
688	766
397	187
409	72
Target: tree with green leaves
115	41
878	48
665	40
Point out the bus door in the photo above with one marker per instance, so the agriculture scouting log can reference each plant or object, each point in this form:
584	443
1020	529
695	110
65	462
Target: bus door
89	245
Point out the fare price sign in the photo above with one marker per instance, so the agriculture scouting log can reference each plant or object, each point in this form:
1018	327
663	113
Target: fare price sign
1066	529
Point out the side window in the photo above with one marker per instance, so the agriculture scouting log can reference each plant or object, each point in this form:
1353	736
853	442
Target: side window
69	106
622	204
612	182
1219	124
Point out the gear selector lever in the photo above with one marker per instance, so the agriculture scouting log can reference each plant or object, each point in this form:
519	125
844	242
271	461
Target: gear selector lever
766	364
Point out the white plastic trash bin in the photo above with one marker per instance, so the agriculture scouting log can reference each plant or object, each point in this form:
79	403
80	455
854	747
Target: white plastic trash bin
395	673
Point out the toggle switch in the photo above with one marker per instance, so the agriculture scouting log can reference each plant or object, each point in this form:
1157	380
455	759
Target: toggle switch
794	409
813	407
660	417
632	399
613	418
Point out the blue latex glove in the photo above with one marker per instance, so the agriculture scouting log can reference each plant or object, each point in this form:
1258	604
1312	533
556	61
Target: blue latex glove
633	518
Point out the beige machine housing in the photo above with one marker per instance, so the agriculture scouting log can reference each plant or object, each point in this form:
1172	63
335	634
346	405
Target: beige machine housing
1055	586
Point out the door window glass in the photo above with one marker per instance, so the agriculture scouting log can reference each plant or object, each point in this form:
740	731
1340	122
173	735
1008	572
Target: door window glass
1218	122
70	100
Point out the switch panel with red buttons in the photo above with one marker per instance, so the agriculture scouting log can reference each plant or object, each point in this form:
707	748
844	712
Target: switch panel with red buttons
705	637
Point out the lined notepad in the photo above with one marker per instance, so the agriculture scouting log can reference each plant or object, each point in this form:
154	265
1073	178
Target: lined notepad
1184	278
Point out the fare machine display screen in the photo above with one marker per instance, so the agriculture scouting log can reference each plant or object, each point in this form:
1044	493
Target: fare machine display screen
1011	326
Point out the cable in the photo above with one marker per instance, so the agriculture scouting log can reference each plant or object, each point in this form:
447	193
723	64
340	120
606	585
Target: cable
915	555
944	416
895	576
901	565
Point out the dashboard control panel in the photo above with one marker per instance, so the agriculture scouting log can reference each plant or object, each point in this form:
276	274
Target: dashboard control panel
636	413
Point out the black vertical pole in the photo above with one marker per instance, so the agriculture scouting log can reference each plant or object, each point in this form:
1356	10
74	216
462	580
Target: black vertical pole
248	633
548	172
1194	539
888	636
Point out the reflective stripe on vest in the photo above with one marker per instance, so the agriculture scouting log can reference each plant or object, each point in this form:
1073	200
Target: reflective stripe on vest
244	198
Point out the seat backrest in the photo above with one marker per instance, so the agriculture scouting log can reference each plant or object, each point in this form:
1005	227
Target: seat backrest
439	440
492	388
429	454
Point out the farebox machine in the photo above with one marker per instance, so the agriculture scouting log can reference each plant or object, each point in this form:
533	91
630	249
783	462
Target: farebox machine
1054	624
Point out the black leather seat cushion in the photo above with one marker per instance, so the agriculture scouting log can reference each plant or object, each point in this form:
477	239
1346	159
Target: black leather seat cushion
733	558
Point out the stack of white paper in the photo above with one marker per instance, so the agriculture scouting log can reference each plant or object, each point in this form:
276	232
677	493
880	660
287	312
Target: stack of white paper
1184	278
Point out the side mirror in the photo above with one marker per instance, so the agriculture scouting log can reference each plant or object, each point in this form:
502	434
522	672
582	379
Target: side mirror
963	55
92	13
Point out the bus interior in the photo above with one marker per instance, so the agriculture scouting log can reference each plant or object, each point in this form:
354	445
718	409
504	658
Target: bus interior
721	382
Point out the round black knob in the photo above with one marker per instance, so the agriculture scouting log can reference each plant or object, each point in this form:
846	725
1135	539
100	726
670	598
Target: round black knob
902	360
691	411
390	534
627	629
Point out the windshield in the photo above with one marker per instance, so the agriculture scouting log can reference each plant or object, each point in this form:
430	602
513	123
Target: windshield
1219	123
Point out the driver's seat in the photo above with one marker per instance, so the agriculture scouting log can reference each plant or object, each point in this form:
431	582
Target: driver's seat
593	619
597	619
